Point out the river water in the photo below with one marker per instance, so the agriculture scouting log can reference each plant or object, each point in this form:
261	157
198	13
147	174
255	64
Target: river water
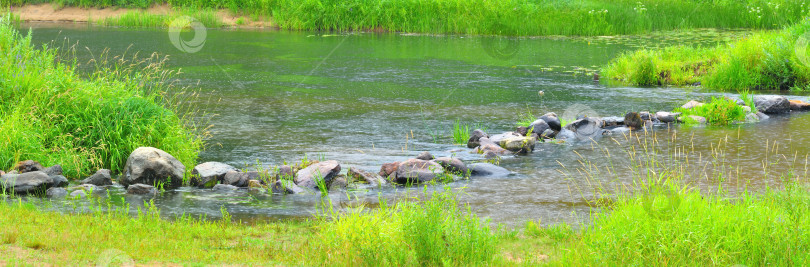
366	99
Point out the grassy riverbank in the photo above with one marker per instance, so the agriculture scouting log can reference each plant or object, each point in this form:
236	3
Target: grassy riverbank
526	18
53	115
763	61
698	229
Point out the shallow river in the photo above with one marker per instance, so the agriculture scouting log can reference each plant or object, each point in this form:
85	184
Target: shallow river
366	99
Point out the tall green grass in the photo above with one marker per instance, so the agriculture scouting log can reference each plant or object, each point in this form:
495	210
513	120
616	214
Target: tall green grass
54	115
718	111
762	61
508	17
139	18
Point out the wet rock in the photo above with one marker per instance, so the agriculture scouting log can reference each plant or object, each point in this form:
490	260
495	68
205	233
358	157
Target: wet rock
798	105
285	172
500	137
548	134
522	130
519	144
34	182
239	179
149	165
762	116
633	120
255	184
489	146
474	137
772	104
56	192
586	128
141	189
667	117
53	170
751	118
78	194
388	168
206	175
425	156
691	104
539	126
58	181
612	121
490	155
647	116
370	178
325	172
286	187
28	166
417	171
101	178
488	170
552	121
452	165
565	134
340	182
224	188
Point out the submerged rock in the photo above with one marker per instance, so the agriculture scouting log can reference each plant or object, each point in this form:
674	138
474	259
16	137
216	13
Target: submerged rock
474	137
586	128
206	175
488	170
34	182
772	104
102	177
417	171
224	188
325	172
141	189
149	165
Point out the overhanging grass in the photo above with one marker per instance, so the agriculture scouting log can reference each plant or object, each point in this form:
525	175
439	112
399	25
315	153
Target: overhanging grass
139	18
508	17
53	115
762	61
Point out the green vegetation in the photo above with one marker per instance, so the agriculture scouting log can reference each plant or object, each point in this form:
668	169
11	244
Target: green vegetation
763	61
53	115
718	111
511	17
138	18
461	133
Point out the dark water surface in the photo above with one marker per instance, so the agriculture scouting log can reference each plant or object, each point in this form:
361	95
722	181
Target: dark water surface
366	99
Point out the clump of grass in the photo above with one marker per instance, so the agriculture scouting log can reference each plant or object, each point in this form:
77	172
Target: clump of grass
718	111
762	61
526	117
461	133
433	232
53	115
140	18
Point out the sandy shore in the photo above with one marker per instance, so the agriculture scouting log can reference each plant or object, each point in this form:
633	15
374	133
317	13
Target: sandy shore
46	13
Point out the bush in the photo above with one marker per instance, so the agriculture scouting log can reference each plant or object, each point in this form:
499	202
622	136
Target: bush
718	111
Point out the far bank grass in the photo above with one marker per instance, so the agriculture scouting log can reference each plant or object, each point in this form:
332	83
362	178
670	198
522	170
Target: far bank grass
53	115
763	61
509	17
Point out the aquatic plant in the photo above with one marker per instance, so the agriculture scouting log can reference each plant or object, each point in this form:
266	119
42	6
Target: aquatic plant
53	115
718	111
461	133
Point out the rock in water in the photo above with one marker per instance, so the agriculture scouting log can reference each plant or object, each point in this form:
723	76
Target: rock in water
519	144
58	181
35	182
633	120
474	137
388	168
691	104
208	174
321	172
539	126
240	179
417	171
772	104
149	165
552	121
425	156
667	117
56	192
286	187
488	170
370	178
224	188
141	189
586	128
100	178
798	105
453	165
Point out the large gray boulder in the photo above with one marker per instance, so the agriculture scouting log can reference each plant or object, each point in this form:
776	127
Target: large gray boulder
321	172
35	182
552	121
586	128
772	104
152	166
102	177
488	170
206	175
417	171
